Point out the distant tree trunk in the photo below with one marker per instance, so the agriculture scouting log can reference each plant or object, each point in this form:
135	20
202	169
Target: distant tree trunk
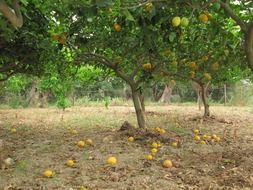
204	100
166	95
249	45
225	94
197	89
142	100
138	108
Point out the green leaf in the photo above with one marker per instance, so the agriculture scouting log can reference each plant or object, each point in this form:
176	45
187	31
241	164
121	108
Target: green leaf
128	15
172	36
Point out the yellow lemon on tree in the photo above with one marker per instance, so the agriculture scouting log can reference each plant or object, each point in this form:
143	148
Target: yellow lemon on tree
215	66
193	65
193	74
81	144
70	163
149	157
89	142
207	76
176	21
167	163
48	173
203	18
184	22
147	66
197	138
130	139
148	7
154	145
117	27
112	161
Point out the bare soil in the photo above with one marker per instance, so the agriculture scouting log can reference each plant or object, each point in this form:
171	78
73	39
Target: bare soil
45	140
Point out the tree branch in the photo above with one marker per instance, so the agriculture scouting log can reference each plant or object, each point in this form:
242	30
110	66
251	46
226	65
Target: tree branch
13	15
235	17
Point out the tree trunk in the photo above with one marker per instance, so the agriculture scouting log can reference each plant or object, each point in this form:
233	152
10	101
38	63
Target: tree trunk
249	46
142	100
138	108
199	100
166	96
225	94
204	100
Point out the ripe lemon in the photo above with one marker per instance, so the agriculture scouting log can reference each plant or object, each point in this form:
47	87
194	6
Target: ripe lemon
112	161
81	144
174	144
167	163
70	163
74	131
207	76
217	139
154	145
148	7
202	142
214	136
215	66
158	129
154	151
13	130
176	21
130	139
197	138
204	58
193	74
196	131
117	27
162	131
48	173
184	22
89	142
203	18
149	157
147	66
173	82
193	65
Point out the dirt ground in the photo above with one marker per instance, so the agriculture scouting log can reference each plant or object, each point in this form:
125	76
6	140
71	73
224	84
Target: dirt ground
45	140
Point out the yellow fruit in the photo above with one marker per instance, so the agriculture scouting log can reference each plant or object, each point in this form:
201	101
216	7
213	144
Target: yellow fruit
202	142
70	163
83	188
209	16
154	145
204	58
208	137
196	131
81	144
203	18
147	66
112	161
197	138
148	7
154	151
13	130
167	164
174	144
48	173
130	139
162	131
149	157
193	65
192	74
89	142
158	129
204	137
184	21
217	139
117	27
173	82
214	136
207	76
215	66
176	21
159	145
74	131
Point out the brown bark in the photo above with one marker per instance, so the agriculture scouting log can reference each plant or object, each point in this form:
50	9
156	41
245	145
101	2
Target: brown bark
204	100
249	46
166	96
14	16
142	100
138	108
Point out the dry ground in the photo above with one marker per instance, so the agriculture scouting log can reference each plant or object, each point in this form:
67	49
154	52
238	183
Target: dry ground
44	140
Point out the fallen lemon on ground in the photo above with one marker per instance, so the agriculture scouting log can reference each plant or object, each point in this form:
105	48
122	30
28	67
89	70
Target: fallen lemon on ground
13	130
217	139
154	151
149	157
196	131
174	144
74	131
89	142
48	173
176	21
167	163
112	161
81	144
202	142
130	139
197	138
70	163
154	145
162	131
